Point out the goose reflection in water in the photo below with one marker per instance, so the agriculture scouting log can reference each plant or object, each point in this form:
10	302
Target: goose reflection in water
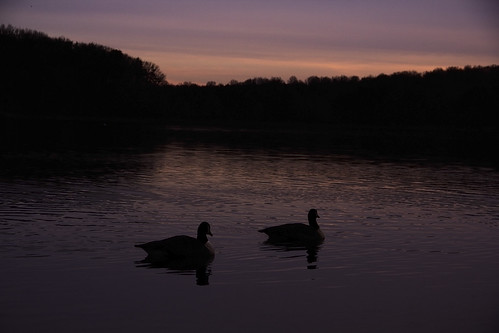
311	249
183	266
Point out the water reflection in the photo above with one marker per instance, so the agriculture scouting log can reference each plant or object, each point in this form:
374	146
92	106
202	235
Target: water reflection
64	214
311	248
201	267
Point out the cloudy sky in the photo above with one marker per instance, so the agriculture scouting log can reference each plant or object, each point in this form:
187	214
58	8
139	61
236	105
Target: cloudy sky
220	40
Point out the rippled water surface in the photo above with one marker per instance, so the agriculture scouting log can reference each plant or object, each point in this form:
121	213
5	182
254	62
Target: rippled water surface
411	246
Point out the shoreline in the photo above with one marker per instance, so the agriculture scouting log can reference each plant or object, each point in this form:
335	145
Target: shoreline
402	141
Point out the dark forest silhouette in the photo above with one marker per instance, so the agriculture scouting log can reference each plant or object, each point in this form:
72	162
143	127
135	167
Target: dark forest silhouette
49	79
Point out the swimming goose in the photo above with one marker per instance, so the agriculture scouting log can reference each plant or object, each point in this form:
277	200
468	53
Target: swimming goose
296	232
181	247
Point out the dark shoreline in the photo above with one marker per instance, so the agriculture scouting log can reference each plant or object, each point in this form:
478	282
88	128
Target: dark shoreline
473	145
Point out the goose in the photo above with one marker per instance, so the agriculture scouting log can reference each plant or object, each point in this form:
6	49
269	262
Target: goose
181	247
296	232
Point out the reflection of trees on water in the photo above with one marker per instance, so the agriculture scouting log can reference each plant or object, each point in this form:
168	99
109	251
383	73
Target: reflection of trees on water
311	249
184	266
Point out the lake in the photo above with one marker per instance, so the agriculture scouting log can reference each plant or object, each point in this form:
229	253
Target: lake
412	244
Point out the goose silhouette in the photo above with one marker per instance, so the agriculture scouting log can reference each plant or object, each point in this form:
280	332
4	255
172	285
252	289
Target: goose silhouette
296	232
181	247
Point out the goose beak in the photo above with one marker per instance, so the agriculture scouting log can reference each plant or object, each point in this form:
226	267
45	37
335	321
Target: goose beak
318	216
209	233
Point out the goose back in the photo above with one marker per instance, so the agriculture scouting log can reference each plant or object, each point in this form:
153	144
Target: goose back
296	232
178	247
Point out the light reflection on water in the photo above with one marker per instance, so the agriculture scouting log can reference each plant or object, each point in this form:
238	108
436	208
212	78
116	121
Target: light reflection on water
410	245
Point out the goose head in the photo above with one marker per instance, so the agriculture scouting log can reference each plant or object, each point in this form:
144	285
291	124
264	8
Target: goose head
203	230
313	215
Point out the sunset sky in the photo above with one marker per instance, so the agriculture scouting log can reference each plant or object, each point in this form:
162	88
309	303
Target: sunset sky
219	40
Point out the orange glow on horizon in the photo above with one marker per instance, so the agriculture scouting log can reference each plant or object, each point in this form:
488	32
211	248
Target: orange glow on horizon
180	68
221	40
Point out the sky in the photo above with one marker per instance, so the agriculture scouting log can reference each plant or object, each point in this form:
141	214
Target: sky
222	40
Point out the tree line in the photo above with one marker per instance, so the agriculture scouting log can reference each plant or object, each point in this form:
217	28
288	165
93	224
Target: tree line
44	76
450	97
55	76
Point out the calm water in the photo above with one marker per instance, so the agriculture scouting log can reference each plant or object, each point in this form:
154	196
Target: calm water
411	246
